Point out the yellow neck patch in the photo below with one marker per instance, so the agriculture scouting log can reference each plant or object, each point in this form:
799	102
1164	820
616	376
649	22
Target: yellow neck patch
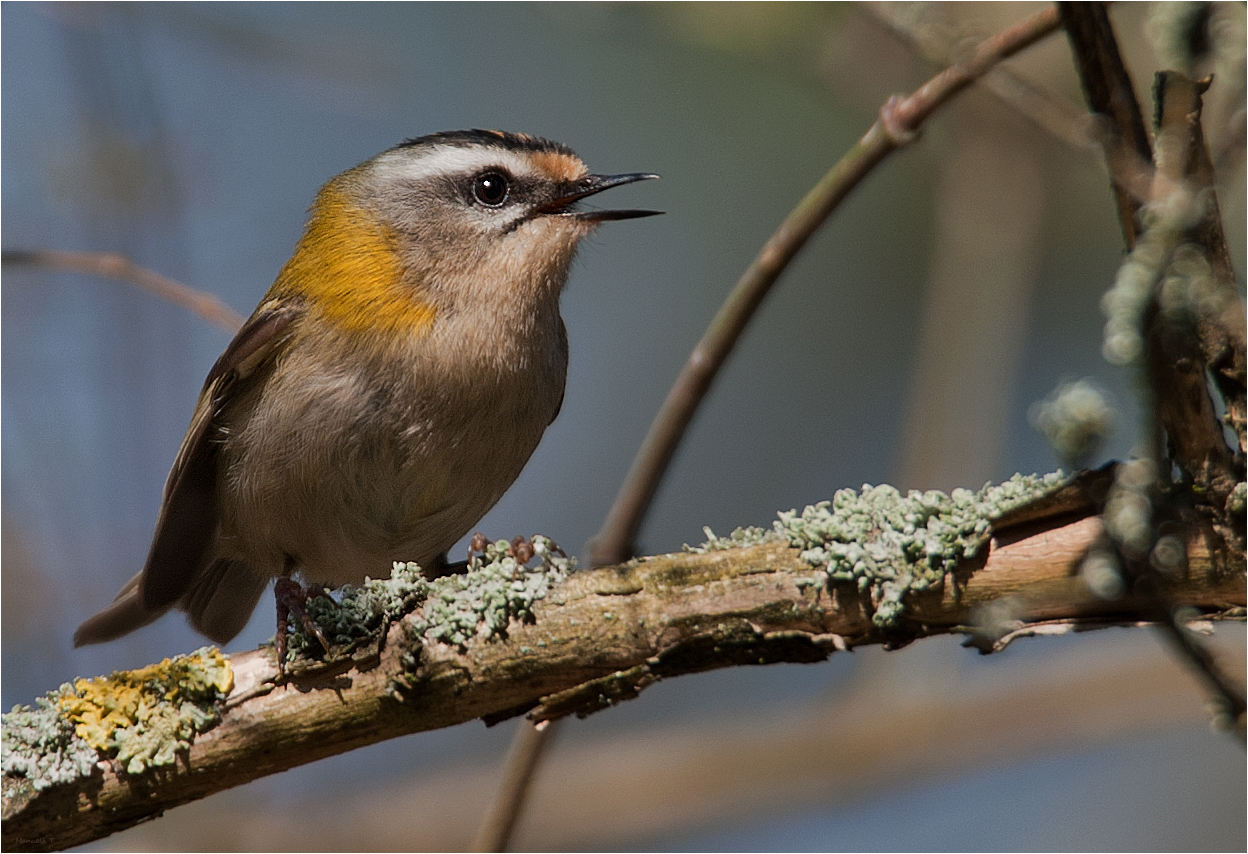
346	267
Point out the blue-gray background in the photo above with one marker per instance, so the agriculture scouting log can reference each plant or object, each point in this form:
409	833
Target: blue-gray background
192	137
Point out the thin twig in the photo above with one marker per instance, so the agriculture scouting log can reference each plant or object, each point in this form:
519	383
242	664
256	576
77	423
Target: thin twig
527	749
113	266
897	126
936	42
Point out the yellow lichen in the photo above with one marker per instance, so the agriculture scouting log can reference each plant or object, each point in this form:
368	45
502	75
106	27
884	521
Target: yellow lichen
148	715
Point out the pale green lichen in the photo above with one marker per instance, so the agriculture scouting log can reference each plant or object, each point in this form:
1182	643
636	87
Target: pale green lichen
1237	501
143	717
1128	509
889	545
40	744
739	538
1165	220
1076	418
495	589
1198	38
362	611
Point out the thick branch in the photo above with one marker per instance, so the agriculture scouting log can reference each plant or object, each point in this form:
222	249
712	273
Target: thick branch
1111	97
1183	165
598	638
617	789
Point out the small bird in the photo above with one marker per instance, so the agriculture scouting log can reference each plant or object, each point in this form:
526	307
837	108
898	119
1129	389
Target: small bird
388	389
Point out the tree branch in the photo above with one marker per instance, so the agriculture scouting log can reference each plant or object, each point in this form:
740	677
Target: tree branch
1111	97
1160	305
528	748
598	638
1184	165
612	790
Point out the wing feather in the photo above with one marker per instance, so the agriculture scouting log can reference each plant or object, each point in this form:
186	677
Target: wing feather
181	549
186	526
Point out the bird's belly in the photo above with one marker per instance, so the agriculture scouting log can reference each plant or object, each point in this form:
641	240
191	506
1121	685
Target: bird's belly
344	477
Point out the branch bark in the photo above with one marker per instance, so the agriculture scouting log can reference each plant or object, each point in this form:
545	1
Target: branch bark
599	638
1111	97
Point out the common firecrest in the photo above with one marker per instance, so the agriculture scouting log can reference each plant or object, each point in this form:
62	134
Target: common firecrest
387	390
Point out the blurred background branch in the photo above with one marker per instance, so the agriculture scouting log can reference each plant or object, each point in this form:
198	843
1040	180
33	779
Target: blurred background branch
111	265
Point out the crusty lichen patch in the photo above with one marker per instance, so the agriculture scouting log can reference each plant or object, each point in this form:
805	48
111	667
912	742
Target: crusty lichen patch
142	717
40	745
1237	501
496	589
479	602
890	545
361	611
150	714
739	538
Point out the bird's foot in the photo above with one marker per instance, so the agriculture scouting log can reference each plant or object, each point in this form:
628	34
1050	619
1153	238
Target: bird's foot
521	548
292	600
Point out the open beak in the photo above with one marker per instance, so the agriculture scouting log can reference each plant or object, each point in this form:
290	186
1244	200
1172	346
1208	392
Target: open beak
588	186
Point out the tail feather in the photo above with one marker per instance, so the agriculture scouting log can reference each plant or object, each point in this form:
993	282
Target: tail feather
126	614
222	598
219	604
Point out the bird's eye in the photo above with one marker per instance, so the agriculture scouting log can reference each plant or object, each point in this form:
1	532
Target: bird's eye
490	188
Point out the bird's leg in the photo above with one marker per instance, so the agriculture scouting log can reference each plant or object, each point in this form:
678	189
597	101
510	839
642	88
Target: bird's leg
292	599
522	549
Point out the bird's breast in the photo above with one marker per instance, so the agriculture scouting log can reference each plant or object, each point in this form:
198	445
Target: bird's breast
349	455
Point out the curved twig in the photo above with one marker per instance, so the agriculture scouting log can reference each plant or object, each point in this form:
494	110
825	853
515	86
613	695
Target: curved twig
114	266
896	127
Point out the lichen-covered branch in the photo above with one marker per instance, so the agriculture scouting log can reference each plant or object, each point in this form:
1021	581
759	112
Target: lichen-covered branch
869	567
